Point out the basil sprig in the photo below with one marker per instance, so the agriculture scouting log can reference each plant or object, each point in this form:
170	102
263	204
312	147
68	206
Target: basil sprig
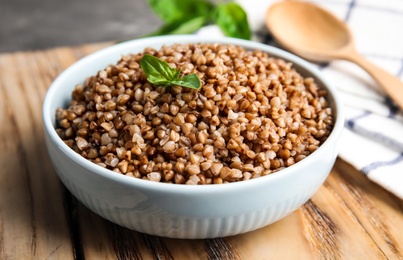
176	10
232	20
161	74
187	16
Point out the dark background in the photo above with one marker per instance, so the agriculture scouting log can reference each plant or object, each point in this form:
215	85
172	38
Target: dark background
41	24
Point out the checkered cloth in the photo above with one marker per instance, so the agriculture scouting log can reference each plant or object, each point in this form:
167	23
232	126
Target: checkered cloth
373	138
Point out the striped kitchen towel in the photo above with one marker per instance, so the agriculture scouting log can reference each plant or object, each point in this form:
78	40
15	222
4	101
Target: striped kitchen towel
373	138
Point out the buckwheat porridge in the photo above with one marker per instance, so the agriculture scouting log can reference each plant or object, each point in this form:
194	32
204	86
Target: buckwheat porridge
253	115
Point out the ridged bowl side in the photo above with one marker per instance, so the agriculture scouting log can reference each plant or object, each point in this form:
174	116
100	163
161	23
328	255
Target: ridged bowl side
162	223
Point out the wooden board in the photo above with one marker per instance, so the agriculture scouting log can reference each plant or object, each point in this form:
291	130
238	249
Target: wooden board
348	218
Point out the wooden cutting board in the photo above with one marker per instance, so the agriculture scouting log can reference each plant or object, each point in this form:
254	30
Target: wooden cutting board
348	218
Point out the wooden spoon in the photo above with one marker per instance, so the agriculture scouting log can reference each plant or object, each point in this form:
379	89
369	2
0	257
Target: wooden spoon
317	35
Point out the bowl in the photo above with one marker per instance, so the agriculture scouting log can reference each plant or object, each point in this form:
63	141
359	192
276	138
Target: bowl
185	211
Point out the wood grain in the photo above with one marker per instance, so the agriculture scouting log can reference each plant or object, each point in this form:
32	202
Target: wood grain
348	218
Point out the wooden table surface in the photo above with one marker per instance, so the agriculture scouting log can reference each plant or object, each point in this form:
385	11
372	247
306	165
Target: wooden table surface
348	218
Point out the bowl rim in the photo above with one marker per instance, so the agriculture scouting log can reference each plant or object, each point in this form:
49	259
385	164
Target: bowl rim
178	188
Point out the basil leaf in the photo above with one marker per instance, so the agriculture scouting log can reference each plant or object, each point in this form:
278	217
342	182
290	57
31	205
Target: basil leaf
161	74
174	10
177	73
232	20
190	81
158	71
181	27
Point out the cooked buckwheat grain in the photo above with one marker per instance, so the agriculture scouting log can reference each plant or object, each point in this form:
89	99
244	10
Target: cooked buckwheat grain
253	115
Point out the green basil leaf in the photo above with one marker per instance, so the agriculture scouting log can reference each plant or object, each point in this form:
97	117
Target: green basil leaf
190	81
177	73
175	10
161	74
158	71
181	26
232	20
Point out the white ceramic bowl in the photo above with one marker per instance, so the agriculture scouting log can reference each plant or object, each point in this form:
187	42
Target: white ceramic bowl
185	211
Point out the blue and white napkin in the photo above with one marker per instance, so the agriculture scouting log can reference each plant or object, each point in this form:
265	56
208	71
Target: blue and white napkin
373	137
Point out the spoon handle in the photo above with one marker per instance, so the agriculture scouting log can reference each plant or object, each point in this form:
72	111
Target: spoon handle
390	83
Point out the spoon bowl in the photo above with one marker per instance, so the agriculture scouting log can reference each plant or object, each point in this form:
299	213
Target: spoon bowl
317	35
308	30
